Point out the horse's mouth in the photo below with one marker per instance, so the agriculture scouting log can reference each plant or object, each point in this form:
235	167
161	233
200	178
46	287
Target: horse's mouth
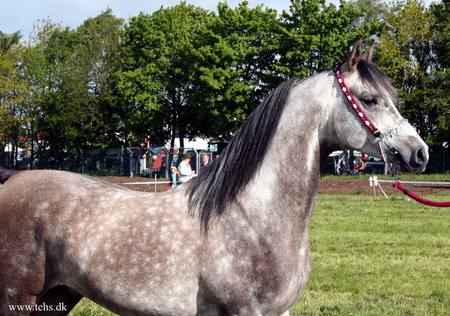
398	163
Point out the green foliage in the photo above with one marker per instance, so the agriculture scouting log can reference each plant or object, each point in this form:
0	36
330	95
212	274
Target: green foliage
8	41
159	67
317	34
13	92
406	54
95	61
236	69
373	10
440	78
440	28
72	76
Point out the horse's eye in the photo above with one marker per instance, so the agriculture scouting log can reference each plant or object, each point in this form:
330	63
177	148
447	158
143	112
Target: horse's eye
370	101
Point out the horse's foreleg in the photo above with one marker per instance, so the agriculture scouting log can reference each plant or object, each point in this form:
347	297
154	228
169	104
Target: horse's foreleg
286	313
22	265
13	303
59	301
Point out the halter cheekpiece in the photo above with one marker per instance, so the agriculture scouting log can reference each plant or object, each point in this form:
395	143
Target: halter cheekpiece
353	104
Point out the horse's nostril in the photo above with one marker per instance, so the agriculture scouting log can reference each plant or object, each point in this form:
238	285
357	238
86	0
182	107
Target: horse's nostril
420	156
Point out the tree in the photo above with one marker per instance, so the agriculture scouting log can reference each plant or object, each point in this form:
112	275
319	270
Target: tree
440	79
373	10
46	64
95	61
406	54
236	67
159	64
317	34
440	28
13	95
72	74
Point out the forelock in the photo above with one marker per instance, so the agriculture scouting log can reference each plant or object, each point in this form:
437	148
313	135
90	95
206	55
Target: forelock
373	76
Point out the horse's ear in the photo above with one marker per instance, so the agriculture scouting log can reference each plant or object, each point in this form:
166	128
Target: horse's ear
368	55
355	57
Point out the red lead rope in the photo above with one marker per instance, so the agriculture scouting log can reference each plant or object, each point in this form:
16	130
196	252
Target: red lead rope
418	198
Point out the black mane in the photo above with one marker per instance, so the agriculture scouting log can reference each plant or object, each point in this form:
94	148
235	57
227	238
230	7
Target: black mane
219	183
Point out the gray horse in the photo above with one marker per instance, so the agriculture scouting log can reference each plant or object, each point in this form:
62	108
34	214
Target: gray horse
233	241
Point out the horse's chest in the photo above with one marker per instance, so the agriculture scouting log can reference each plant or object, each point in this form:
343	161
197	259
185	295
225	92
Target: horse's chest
267	281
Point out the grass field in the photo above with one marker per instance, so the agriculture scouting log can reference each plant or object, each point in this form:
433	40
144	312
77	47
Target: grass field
406	176
372	257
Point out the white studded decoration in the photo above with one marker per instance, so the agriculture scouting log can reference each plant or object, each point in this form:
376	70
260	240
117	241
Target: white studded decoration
351	102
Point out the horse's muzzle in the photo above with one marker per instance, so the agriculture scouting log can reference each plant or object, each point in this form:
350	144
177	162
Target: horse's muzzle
418	159
410	161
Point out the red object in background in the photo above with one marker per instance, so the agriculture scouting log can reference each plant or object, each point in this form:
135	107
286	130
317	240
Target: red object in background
157	163
23	139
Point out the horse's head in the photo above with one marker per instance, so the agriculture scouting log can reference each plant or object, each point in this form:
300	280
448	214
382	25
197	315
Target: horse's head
374	124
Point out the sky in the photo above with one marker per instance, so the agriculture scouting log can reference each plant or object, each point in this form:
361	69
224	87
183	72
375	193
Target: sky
21	15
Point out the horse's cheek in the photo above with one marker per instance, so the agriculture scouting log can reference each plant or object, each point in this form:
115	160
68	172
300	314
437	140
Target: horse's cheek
349	131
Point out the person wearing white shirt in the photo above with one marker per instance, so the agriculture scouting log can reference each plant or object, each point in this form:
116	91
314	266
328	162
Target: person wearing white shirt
185	170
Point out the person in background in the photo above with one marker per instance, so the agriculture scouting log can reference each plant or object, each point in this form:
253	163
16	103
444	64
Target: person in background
205	160
173	167
362	162
185	170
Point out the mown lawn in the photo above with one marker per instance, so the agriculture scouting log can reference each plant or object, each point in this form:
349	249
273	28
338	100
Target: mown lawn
378	257
372	257
406	176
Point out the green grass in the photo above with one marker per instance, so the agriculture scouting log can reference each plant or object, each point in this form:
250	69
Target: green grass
88	308
378	257
406	176
372	257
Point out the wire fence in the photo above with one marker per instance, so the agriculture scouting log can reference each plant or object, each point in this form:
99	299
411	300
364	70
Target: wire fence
158	161
125	161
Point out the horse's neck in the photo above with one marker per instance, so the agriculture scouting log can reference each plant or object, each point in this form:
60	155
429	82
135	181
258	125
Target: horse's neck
284	189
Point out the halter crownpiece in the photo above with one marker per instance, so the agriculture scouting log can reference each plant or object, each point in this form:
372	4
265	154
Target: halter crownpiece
353	104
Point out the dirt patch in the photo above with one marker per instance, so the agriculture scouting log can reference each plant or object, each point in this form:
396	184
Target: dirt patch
328	186
146	186
362	186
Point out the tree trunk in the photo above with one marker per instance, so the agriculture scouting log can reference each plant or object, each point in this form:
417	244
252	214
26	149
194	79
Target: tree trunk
32	152
181	136
60	159
172	137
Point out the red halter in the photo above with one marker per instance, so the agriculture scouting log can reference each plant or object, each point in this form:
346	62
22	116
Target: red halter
353	104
